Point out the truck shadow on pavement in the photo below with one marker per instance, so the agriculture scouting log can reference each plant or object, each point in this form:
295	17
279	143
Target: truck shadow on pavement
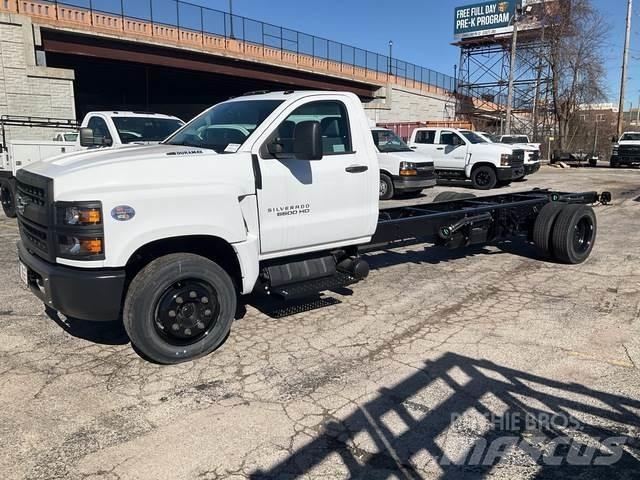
103	333
495	419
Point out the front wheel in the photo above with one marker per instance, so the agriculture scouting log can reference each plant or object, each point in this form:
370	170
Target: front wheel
179	307
484	178
386	187
7	196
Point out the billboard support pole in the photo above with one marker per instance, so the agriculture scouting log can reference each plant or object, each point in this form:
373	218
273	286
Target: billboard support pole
512	66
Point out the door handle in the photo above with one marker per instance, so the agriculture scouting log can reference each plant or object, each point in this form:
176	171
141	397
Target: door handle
356	169
440	148
414	148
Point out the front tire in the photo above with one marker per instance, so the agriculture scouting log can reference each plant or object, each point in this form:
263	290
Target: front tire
387	190
8	199
484	178
179	307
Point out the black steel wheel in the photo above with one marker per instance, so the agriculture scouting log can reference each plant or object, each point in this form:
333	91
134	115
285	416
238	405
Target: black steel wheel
484	178
574	233
543	226
8	199
386	187
179	307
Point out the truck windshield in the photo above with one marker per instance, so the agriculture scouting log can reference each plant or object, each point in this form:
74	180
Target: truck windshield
472	137
389	142
145	129
225	127
515	139
630	137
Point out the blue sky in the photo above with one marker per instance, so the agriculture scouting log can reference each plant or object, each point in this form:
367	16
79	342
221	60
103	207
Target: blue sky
420	29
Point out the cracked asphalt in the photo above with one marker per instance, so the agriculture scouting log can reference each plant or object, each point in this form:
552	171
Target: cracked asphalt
422	371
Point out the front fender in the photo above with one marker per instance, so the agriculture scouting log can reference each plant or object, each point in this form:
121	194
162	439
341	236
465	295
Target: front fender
179	212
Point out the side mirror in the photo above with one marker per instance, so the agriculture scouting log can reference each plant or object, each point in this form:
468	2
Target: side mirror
307	141
86	137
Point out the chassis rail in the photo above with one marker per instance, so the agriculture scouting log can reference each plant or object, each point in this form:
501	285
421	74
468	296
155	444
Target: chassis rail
470	221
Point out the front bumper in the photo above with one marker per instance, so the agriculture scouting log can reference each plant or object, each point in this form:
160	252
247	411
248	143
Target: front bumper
530	168
510	173
409	183
85	294
624	160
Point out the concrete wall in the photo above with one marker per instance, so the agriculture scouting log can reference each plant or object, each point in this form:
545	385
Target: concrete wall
402	104
27	89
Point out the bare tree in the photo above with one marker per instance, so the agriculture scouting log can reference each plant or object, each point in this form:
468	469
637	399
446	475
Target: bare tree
574	32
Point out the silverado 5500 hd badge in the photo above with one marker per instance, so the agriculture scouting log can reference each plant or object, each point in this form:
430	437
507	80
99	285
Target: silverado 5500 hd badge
290	210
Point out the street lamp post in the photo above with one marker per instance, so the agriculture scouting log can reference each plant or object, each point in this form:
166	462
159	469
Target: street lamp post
390	56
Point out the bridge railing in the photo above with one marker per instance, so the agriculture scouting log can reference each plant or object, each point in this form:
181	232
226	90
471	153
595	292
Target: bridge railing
188	24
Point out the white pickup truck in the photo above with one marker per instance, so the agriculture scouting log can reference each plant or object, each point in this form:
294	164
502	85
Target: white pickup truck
98	129
273	194
463	155
402	170
531	150
626	150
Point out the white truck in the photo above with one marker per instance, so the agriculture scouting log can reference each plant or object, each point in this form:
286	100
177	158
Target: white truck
402	170
98	130
169	237
463	155
626	150
531	150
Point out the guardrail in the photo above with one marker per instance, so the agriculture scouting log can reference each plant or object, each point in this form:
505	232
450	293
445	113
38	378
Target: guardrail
195	26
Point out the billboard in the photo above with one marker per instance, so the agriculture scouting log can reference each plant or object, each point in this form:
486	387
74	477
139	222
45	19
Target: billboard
486	18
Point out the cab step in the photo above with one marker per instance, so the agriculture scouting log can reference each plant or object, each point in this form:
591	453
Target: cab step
310	288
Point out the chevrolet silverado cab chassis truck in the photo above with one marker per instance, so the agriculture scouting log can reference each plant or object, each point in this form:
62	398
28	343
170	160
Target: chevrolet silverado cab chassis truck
272	193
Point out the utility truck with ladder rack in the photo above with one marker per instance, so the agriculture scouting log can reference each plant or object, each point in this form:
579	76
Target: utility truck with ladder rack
268	194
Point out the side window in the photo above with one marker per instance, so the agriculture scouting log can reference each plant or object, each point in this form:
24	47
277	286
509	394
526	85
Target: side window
334	127
426	136
99	127
450	138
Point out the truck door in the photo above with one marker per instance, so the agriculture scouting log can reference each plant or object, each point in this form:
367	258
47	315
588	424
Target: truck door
424	142
452	151
308	203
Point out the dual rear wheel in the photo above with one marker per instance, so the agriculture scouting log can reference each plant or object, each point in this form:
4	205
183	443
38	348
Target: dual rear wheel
566	232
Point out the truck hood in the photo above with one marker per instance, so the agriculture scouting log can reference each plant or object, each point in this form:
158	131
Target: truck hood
98	174
101	157
492	148
412	156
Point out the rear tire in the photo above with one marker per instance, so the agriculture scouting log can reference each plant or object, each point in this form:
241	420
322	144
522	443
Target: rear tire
484	178
178	308
8	198
386	187
543	227
574	233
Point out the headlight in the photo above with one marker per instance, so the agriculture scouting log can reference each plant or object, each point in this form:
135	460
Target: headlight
76	246
79	215
80	230
505	159
408	169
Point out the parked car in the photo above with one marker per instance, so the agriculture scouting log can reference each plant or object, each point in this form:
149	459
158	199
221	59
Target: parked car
98	130
626	150
402	170
461	154
531	150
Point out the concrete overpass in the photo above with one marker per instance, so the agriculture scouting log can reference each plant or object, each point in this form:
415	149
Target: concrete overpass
61	61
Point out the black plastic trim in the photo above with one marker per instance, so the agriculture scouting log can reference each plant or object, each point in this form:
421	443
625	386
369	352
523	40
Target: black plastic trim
85	294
